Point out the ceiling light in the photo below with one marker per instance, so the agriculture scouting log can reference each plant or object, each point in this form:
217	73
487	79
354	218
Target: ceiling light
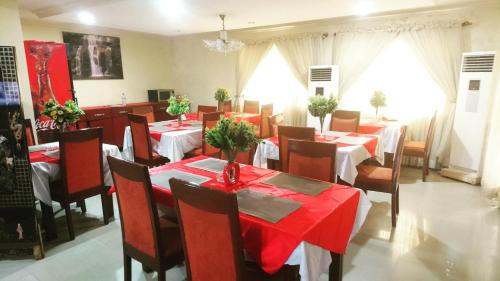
364	8
222	44
86	17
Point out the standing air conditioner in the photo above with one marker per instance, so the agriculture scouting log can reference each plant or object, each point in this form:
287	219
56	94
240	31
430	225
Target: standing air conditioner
472	115
324	81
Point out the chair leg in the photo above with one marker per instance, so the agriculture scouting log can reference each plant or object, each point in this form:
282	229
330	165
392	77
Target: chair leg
105	208
425	169
69	221
82	205
394	217
146	269
335	272
162	276
397	201
127	267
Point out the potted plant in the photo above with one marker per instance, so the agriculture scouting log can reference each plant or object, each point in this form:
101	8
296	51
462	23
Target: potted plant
378	100
178	106
221	95
320	106
62	115
231	138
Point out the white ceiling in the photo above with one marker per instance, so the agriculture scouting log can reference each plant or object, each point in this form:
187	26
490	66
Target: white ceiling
174	17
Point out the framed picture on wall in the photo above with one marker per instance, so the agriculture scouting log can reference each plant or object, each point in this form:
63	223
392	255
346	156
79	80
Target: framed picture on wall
94	56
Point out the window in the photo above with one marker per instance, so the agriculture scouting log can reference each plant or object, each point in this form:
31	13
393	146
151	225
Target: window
410	91
273	82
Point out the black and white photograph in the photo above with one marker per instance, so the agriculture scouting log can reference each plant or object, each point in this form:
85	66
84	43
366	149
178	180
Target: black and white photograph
94	56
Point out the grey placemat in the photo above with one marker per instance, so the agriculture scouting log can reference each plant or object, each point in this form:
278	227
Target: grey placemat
161	179
298	184
52	154
264	206
36	148
210	164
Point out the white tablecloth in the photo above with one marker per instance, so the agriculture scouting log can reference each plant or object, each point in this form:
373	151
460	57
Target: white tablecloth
347	158
172	144
314	260
43	173
389	134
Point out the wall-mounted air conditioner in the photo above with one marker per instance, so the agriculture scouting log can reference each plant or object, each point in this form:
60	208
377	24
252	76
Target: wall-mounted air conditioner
472	115
323	80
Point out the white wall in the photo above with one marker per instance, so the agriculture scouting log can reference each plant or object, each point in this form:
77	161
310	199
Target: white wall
145	60
11	35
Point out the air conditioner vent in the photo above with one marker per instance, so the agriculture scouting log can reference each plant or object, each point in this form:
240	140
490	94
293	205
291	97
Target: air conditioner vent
478	63
321	74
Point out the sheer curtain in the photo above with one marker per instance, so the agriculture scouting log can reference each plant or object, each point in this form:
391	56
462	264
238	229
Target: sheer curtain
440	50
353	52
248	60
300	53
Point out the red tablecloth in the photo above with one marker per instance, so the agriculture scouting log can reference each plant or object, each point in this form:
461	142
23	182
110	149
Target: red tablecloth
370	145
370	128
253	118
325	220
38	156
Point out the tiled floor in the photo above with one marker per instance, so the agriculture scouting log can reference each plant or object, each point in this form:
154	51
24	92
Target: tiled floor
446	231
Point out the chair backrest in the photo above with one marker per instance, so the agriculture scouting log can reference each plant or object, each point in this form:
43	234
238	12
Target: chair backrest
138	212
289	132
251	106
275	121
265	112
345	121
81	160
398	156
430	135
209	121
28	129
243	157
312	159
211	235
141	140
146	111
226	106
202	109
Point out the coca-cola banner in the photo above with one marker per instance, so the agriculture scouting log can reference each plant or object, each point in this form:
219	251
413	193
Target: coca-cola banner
49	77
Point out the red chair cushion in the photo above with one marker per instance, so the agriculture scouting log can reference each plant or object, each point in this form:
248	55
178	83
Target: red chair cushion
345	125
373	176
83	165
312	167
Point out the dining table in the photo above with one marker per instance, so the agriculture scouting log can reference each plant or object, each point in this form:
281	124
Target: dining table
352	149
252	118
316	230
389	131
45	168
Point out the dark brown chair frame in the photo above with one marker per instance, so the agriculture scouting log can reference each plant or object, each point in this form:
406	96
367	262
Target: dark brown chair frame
31	136
290	132
247	104
346	114
60	193
213	116
151	162
159	263
205	109
315	150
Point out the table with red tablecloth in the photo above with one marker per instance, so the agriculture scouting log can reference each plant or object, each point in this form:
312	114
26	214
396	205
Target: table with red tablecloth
252	118
352	149
173	143
388	130
322	224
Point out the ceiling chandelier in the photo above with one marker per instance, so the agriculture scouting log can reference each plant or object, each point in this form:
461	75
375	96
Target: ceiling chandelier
222	44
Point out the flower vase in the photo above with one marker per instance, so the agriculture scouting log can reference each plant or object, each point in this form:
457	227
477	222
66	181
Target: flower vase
321	122
179	120
231	173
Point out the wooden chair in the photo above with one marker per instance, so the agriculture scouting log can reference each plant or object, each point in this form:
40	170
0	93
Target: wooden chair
243	157
209	121
202	109
153	241
312	159
82	177
226	106
288	132
422	149
211	236
146	111
345	121
264	128
383	179
250	106
275	121
30	136
141	142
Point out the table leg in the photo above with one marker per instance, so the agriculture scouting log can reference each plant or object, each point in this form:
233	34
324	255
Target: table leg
335	273
49	221
109	203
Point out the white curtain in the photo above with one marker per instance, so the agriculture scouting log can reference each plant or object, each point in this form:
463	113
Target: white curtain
300	53
248	60
440	50
353	52
491	175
